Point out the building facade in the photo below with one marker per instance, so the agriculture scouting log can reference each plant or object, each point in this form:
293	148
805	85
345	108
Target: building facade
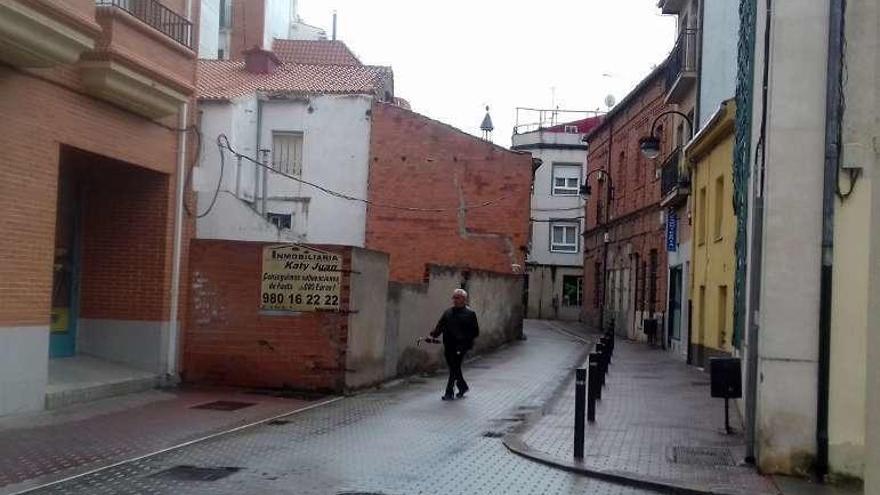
91	195
624	248
555	259
710	154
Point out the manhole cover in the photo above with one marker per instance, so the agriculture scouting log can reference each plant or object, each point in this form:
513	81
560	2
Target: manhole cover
702	456
224	405
493	434
195	473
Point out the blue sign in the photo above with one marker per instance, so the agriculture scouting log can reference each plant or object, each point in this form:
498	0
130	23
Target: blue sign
671	231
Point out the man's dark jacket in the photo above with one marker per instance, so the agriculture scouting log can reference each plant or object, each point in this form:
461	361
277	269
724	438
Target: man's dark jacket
459	328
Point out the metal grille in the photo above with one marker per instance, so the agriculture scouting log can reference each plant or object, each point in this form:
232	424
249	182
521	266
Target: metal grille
195	473
158	16
741	158
287	152
702	456
224	405
670	173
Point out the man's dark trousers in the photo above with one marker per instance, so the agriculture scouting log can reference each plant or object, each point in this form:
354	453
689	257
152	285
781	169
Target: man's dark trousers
454	359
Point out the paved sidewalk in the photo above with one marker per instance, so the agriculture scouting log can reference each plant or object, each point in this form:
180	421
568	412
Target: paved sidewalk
656	425
50	445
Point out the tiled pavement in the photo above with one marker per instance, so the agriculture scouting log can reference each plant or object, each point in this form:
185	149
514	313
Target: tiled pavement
652	408
400	440
51	445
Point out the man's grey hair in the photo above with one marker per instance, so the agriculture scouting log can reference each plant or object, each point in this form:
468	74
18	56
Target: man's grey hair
460	292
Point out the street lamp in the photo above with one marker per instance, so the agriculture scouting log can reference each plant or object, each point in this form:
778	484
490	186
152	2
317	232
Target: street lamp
650	145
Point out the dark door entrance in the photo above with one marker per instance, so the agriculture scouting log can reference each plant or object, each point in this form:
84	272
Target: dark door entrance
675	286
65	278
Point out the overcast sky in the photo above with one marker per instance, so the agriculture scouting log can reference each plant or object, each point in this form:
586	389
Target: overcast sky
453	57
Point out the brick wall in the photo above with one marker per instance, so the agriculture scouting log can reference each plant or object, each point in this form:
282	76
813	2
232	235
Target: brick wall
228	341
633	222
248	22
416	161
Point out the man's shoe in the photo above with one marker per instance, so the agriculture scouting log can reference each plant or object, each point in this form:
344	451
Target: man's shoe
447	397
461	393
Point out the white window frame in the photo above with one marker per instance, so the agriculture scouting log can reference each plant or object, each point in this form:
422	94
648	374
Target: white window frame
572	185
565	247
571	129
282	160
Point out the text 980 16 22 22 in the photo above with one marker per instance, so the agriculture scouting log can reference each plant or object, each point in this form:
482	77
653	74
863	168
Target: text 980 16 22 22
299	278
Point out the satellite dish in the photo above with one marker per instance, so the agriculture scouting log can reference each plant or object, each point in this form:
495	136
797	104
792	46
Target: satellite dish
610	101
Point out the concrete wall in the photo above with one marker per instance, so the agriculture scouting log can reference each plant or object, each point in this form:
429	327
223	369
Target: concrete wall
414	309
545	284
856	246
24	361
209	29
719	52
336	137
365	359
788	318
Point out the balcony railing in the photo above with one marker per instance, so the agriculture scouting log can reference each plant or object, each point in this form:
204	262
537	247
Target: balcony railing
670	175
683	57
158	16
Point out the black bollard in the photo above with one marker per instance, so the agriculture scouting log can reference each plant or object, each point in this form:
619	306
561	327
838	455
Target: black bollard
603	363
608	351
579	393
593	390
596	373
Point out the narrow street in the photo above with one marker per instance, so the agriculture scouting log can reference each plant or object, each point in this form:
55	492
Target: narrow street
401	440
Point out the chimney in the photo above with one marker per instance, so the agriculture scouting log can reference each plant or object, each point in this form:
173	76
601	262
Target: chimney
260	61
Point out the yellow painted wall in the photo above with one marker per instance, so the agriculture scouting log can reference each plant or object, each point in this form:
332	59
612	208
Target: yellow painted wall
713	258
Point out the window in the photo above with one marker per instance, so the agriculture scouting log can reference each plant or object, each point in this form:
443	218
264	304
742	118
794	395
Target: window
722	315
701	217
719	208
225	14
280	220
572	290
563	237
566	179
571	129
287	148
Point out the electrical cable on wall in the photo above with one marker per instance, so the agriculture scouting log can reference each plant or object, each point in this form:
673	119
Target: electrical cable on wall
854	174
223	143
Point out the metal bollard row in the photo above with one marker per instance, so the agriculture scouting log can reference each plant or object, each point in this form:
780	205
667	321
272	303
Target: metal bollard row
593	380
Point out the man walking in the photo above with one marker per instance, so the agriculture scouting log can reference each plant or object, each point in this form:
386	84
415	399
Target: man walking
459	328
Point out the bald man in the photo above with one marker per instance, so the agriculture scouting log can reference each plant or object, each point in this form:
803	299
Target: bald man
459	328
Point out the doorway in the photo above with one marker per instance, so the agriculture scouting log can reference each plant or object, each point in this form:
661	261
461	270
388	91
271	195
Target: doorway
66	267
673	331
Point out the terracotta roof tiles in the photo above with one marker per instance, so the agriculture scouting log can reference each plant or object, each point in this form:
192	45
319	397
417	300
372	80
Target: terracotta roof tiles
319	52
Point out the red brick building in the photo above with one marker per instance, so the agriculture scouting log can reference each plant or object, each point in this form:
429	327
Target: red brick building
480	192
624	249
92	94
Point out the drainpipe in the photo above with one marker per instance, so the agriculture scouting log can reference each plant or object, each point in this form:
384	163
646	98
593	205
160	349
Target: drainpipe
177	246
257	169
755	260
833	117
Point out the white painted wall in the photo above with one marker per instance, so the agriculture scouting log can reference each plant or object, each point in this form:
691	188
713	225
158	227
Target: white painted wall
336	146
24	361
719	55
789	298
209	29
279	16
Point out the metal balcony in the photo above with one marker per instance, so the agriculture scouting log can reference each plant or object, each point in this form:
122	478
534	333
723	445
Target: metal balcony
681	67
158	16
674	185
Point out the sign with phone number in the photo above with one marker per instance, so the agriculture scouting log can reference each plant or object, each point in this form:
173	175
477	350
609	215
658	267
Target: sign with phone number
298	278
